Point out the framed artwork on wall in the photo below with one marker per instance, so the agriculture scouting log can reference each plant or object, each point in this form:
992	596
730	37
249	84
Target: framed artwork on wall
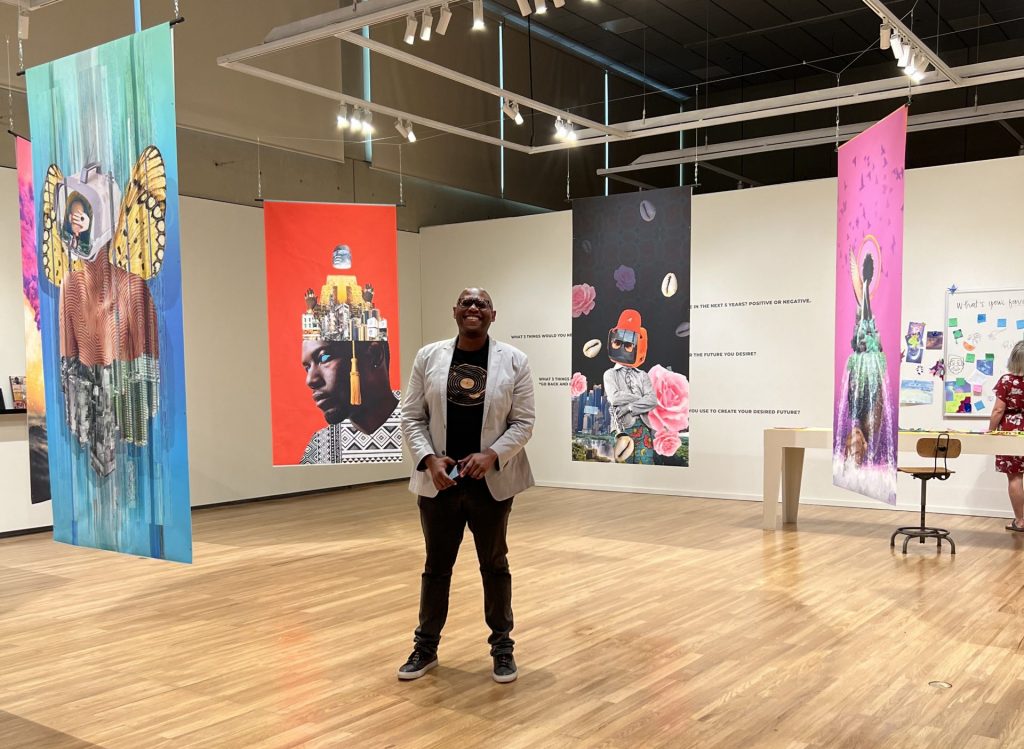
18	391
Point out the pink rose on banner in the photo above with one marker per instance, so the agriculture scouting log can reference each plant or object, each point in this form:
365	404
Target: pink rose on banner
667	443
578	384
583	296
672	413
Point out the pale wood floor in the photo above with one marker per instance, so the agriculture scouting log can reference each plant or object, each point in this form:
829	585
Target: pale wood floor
642	621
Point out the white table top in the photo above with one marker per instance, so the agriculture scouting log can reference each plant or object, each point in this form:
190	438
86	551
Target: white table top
981	444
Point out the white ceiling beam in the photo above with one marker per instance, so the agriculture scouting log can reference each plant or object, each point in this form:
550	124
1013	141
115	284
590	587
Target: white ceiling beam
978	74
325	26
821	136
887	16
374	107
30	4
488	88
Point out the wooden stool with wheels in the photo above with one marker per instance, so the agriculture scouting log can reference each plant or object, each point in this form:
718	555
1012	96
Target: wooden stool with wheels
934	448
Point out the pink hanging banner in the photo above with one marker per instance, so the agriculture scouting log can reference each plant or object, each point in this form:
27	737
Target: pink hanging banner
35	396
869	293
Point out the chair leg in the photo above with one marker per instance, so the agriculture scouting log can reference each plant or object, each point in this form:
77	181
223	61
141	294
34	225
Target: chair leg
922	531
924	497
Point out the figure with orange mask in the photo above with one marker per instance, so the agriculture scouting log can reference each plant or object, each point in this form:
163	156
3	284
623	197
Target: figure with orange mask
628	388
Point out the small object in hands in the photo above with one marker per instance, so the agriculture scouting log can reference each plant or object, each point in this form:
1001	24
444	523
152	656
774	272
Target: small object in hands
623	448
454	473
592	348
683	330
669	285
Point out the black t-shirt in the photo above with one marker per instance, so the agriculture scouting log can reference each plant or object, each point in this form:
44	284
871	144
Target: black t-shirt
467	382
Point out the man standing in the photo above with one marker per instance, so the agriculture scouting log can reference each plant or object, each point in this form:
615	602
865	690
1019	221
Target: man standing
467	415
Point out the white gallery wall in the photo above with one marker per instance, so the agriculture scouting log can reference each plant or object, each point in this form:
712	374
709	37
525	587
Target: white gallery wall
227	366
226	361
763	270
763	275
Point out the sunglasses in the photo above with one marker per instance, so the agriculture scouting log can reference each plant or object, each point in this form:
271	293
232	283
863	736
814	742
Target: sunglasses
471	302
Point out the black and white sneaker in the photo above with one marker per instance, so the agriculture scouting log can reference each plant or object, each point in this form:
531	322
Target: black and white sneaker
504	668
417	665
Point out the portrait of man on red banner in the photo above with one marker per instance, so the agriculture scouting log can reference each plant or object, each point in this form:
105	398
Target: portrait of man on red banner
332	293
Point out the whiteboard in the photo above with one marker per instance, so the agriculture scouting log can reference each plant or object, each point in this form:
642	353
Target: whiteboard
980	329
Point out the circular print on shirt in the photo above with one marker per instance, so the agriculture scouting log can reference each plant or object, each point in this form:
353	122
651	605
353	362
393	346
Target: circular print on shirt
466	384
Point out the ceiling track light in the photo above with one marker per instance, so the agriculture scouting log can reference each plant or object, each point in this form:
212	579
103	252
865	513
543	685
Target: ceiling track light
410	28
343	121
560	130
921	71
896	45
355	123
511	109
884	36
570	132
426	22
558	3
904	58
541	6
524	7
443	18
912	62
405	130
478	15
367	122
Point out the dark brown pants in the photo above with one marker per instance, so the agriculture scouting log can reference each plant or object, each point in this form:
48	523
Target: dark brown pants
444	519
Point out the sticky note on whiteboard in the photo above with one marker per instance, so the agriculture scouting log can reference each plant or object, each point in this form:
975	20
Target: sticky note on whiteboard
1020	325
952	322
1001	322
982	318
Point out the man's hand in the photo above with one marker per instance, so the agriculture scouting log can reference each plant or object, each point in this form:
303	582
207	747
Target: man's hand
477	465
438	468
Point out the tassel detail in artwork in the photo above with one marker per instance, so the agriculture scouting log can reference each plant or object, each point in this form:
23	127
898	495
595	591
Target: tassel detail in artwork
355	394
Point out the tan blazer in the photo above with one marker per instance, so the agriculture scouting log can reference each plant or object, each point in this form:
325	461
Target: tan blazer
507	423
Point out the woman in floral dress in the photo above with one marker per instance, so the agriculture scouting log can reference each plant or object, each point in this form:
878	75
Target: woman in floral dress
1008	416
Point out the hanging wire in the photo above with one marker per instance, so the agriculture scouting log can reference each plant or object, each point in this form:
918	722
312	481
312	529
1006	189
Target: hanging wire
977	49
838	75
643	118
259	171
401	185
707	76
568	153
21	47
10	90
177	12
